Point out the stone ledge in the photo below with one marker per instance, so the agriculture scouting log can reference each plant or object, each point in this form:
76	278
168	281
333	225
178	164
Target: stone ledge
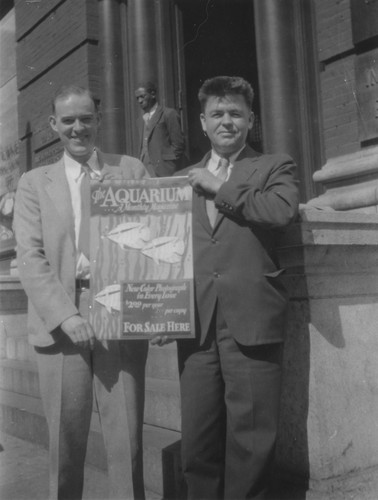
321	227
353	165
350	181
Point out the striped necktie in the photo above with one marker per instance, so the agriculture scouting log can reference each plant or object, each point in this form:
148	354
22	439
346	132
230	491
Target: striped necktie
221	172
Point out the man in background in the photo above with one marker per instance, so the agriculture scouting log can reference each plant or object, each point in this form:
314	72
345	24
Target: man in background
161	141
51	224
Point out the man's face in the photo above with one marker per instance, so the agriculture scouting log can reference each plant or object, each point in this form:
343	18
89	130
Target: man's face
146	99
226	121
76	122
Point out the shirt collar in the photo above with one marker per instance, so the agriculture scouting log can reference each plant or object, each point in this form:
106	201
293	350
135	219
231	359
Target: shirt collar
153	109
73	167
215	157
147	116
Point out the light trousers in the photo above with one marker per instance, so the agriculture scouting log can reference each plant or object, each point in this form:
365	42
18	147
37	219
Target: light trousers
70	378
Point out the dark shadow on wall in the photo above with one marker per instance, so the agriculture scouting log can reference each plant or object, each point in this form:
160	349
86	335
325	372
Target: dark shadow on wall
174	487
28	148
290	479
332	291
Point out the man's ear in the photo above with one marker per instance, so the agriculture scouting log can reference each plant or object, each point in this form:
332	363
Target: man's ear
251	120
203	121
52	121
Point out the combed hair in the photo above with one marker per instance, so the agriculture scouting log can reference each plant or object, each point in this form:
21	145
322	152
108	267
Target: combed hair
149	85
66	90
220	86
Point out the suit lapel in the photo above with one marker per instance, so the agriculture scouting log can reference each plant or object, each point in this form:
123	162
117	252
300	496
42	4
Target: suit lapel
108	170
244	167
59	193
155	119
104	166
140	125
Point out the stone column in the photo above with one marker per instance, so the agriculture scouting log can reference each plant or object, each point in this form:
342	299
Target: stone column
288	84
113	138
275	40
143	47
328	439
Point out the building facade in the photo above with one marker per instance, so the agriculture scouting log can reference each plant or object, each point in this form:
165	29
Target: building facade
314	67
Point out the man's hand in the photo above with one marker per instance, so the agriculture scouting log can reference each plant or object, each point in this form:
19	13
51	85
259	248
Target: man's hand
161	340
202	179
79	331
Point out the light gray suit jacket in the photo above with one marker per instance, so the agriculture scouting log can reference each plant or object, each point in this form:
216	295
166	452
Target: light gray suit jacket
45	236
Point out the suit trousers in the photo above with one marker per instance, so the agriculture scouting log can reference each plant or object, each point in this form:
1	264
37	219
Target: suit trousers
230	402
114	372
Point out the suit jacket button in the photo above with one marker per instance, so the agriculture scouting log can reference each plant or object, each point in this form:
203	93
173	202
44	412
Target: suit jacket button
213	240
216	275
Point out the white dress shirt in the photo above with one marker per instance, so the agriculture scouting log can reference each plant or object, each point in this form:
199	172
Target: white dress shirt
147	116
74	174
212	164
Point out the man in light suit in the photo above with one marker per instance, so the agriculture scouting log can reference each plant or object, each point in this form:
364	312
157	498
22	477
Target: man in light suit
230	374
161	141
54	269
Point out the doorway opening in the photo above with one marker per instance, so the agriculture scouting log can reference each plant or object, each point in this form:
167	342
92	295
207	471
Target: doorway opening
218	39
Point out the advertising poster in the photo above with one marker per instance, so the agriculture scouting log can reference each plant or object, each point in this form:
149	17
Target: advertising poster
141	259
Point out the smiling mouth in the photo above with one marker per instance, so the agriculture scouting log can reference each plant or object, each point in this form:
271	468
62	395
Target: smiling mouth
78	139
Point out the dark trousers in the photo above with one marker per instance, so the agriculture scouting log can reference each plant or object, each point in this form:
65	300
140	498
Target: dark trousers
230	400
69	376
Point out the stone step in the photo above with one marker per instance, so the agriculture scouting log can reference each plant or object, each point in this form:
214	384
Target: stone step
22	416
13	337
19	376
162	401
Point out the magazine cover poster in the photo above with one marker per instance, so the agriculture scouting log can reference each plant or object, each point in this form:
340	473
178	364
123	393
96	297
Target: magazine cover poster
141	258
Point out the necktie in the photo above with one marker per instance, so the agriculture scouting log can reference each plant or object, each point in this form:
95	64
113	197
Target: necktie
221	173
85	192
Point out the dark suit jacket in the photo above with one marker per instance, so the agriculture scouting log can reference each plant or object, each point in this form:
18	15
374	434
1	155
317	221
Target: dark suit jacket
235	262
46	255
166	143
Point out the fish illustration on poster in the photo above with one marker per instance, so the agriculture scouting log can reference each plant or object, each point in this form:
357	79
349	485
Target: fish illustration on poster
141	258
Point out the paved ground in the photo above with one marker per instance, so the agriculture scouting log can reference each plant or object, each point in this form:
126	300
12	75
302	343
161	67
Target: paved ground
24	473
24	476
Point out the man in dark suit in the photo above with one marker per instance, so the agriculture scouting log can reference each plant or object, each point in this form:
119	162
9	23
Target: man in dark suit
50	221
230	374
161	141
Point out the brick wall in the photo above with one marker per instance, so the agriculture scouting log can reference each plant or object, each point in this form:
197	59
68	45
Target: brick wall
334	30
343	46
57	43
337	77
340	110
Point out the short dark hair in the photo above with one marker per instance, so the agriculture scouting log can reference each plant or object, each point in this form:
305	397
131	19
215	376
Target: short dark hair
66	90
221	86
149	85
